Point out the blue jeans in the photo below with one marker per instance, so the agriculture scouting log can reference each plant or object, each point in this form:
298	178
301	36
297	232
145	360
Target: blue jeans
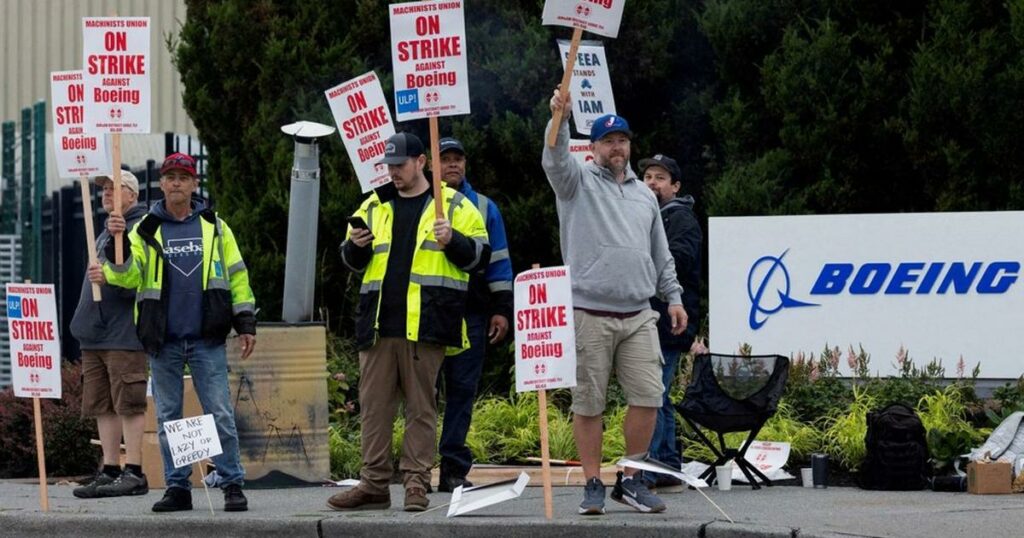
461	374
663	442
209	366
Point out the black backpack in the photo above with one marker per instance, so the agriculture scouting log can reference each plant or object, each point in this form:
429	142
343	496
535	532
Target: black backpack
897	451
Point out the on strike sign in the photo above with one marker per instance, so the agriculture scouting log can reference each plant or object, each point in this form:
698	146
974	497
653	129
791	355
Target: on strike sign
78	153
116	74
597	16
428	55
35	343
590	86
580	150
364	123
545	332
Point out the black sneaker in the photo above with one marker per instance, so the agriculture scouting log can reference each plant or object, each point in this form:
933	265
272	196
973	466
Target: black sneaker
448	484
634	492
88	491
175	500
593	498
128	483
234	499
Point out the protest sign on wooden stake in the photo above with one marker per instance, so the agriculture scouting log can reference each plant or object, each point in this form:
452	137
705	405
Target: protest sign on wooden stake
192	440
364	122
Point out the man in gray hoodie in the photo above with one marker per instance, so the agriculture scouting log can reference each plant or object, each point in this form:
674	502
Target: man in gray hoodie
613	240
113	364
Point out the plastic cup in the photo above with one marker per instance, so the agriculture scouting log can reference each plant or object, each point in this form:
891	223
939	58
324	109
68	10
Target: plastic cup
723	475
807	476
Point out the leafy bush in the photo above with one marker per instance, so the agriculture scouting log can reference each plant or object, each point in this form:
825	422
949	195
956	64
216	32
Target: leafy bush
346	456
949	434
844	431
66	433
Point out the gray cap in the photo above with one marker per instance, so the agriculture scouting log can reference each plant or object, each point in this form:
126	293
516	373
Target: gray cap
127	180
400	148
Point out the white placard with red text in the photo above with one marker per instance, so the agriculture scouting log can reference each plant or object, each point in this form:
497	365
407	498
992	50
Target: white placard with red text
544	330
78	153
428	56
364	123
597	16
591	85
580	150
115	72
35	340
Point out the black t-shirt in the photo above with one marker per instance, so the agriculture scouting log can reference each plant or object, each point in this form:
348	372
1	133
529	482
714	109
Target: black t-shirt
395	287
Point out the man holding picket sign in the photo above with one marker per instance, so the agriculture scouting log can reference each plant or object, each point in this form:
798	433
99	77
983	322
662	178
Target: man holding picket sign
415	272
613	238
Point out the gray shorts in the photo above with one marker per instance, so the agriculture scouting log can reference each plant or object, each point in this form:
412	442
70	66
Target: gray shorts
629	345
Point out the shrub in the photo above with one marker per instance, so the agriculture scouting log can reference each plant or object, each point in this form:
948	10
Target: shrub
346	457
949	434
844	431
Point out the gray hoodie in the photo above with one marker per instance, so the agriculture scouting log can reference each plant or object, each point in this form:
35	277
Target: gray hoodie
611	235
109	324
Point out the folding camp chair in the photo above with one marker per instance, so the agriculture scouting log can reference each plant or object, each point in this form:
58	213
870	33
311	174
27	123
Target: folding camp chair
733	393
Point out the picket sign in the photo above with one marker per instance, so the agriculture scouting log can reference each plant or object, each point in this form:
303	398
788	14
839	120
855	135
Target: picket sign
545	343
601	17
78	154
116	76
428	55
191	440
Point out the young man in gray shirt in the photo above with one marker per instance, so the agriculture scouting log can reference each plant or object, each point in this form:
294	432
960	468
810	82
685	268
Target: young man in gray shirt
613	240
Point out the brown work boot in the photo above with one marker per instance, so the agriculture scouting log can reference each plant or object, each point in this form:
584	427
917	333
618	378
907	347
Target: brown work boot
357	499
416	499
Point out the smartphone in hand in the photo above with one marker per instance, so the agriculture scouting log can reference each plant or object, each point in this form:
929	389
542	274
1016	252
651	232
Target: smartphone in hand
357	222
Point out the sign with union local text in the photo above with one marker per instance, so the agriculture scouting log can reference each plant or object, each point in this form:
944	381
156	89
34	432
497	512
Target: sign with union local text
364	123
544	330
597	16
591	85
939	285
192	439
428	55
78	153
35	340
115	72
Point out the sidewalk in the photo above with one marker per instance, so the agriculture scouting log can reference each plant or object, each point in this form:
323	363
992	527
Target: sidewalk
781	511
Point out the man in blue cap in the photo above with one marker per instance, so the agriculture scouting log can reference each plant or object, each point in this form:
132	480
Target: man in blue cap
612	237
488	311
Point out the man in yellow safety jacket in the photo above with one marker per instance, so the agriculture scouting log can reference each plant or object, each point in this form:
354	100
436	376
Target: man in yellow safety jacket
412	305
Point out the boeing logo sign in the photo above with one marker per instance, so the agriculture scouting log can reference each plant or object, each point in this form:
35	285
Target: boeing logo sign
769	285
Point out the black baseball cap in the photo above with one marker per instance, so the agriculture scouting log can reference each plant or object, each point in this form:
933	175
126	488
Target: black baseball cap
451	144
668	163
400	148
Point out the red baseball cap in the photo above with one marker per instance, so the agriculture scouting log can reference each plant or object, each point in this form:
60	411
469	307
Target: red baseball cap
179	161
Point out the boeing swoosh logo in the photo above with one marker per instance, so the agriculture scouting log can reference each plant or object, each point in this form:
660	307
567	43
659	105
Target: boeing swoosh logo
766	268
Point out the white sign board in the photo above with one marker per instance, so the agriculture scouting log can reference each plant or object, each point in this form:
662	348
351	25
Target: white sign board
35	340
591	85
465	500
364	123
941	285
580	150
78	153
192	439
115	71
544	330
597	16
428	55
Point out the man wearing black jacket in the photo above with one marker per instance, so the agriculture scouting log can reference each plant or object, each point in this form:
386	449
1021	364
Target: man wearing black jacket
663	176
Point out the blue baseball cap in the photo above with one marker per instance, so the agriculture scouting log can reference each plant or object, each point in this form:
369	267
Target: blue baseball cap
607	124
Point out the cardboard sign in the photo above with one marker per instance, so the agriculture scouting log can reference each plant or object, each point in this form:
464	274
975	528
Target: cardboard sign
428	55
78	153
597	16
580	150
364	123
115	71
590	86
544	329
192	439
35	340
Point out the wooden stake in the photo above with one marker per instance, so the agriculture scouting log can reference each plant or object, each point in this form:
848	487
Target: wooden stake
545	455
44	498
116	177
435	161
570	64
202	478
90	237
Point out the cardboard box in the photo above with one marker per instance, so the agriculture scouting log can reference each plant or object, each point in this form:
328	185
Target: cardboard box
993	478
152	463
190	405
